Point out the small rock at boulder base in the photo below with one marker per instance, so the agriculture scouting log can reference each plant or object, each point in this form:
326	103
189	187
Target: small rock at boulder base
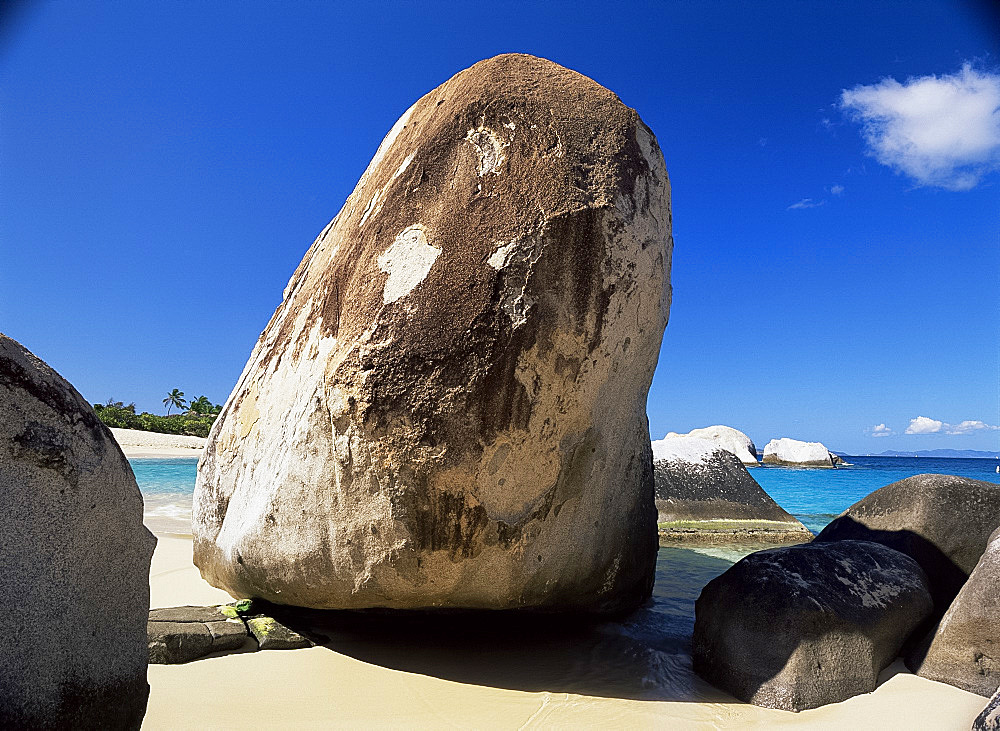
273	635
448	407
74	589
801	626
730	439
182	634
965	649
942	521
704	492
989	719
794	453
177	642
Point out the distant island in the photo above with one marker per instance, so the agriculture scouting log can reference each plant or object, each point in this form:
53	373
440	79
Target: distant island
950	453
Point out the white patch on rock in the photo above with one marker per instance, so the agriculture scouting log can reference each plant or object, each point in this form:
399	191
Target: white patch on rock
501	257
407	262
490	149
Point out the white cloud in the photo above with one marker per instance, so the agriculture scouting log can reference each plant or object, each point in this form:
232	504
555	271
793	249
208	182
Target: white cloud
923	425
805	203
837	189
881	430
967	427
941	131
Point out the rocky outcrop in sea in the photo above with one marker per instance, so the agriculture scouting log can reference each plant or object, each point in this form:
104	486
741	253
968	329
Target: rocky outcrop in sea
793	453
705	493
732	440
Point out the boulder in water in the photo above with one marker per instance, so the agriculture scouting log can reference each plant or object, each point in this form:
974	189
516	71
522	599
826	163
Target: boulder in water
793	453
448	408
798	627
942	521
704	493
732	440
74	589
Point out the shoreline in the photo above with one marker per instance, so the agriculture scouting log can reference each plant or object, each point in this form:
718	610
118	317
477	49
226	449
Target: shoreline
136	444
376	682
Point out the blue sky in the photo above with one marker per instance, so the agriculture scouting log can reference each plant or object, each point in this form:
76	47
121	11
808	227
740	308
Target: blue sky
163	168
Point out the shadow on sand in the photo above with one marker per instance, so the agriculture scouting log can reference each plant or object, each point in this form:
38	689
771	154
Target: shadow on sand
645	656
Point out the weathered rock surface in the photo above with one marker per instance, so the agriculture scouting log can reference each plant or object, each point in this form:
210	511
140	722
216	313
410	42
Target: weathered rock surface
989	719
182	634
794	453
943	522
448	408
726	437
801	626
704	491
74	590
273	635
965	649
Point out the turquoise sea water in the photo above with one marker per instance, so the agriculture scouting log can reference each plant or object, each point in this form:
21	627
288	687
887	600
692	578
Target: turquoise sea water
648	655
814	496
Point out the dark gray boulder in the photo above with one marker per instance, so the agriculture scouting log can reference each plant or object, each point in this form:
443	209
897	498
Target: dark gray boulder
941	521
798	627
74	585
989	719
965	648
704	492
182	634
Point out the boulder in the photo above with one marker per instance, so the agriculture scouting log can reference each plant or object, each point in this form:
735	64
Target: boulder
448	407
793	453
798	627
726	437
705	492
965	649
182	634
989	719
941	521
74	589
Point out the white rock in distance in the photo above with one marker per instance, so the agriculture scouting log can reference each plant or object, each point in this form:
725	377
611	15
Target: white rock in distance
797	454
732	440
448	408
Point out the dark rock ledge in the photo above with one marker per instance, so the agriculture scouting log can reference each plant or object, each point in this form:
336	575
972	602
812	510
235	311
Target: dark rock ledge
181	634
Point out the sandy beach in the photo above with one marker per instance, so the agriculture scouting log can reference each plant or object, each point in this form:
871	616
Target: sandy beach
145	444
384	677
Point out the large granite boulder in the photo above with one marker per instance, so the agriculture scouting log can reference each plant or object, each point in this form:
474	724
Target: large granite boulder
793	453
989	719
704	492
942	521
801	626
726	437
448	408
74	590
965	649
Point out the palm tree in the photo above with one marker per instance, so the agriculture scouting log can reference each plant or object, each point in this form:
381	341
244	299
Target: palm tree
200	405
174	398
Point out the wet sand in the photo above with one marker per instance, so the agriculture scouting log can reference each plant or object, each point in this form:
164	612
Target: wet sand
483	672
